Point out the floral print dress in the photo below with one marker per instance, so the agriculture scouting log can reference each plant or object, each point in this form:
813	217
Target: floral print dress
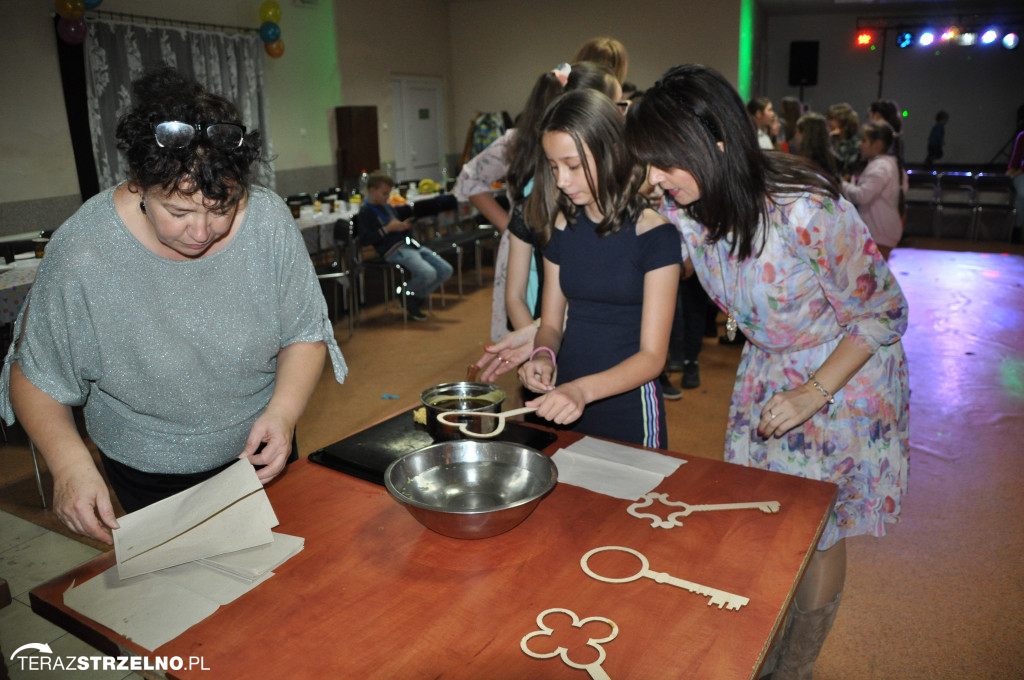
818	279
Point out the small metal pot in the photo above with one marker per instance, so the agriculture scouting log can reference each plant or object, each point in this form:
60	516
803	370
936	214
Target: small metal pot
461	396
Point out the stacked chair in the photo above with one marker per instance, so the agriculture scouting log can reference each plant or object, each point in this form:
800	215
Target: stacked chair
456	236
994	211
966	205
954	205
921	201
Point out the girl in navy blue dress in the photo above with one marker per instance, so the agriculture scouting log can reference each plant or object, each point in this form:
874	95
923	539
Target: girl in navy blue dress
614	265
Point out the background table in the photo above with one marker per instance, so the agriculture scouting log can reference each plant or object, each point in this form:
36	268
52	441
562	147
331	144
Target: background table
15	282
376	595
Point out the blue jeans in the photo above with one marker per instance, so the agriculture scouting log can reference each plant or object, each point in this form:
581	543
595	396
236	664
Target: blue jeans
426	270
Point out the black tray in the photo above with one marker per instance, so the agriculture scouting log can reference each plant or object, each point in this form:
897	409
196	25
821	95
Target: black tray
368	453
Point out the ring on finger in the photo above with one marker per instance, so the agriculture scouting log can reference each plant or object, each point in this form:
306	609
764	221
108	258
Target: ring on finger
772	414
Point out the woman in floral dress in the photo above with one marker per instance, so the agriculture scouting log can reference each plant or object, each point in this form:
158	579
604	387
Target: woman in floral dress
822	387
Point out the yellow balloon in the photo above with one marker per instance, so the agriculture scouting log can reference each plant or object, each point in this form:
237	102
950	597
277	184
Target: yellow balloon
270	11
71	10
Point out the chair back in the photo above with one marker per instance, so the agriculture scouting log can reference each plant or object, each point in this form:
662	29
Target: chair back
992	189
299	199
956	188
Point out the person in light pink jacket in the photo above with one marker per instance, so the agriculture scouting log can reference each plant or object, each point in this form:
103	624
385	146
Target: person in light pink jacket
878	191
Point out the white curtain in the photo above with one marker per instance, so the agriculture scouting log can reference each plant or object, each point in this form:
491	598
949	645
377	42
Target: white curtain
118	52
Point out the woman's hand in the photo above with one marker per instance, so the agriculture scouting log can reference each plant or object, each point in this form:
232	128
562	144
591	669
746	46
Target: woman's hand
81	501
562	405
275	432
500	358
789	409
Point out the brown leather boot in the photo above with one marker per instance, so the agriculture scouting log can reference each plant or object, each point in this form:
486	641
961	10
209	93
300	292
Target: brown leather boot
803	641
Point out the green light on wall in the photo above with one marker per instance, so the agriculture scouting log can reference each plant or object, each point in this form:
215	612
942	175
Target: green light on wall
746	55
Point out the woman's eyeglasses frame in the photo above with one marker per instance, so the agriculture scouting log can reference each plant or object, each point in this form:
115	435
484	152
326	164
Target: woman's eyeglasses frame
176	134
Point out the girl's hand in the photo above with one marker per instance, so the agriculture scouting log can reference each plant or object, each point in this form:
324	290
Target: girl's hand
562	405
506	355
538	374
789	409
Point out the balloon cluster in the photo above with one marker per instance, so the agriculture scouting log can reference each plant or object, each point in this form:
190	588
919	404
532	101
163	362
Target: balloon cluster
270	32
71	25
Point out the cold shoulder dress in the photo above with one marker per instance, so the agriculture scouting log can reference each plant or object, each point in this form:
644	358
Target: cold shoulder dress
603	280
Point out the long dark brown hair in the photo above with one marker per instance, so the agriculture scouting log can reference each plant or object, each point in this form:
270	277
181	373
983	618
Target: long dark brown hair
521	152
693	119
594	123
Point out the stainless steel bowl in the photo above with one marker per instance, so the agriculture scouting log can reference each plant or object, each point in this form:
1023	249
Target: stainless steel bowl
461	396
471	489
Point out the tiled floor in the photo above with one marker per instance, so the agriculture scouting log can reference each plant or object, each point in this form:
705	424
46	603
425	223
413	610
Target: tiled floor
31	555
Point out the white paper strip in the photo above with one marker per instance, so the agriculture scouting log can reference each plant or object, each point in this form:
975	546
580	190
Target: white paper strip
616	470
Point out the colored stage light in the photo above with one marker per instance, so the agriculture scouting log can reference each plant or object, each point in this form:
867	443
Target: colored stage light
951	33
927	38
967	38
865	39
1011	40
989	36
904	39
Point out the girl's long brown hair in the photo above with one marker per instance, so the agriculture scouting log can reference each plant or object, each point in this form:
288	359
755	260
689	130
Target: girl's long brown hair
594	123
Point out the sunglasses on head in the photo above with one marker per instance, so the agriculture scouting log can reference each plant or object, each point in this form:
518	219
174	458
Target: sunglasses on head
175	134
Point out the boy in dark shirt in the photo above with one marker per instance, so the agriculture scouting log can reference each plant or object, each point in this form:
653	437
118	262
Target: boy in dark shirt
379	226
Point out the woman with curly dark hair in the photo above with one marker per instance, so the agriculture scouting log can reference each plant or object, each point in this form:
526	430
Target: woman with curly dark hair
822	387
180	308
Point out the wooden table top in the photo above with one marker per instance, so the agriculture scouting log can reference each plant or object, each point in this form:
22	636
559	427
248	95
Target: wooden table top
374	594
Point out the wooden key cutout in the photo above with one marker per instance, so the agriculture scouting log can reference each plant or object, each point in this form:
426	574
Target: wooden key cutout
717	597
594	668
768	507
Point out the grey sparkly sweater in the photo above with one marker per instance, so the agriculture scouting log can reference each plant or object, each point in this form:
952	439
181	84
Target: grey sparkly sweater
173	360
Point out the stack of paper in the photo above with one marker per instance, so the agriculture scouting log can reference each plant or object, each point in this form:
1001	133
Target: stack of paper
180	559
612	469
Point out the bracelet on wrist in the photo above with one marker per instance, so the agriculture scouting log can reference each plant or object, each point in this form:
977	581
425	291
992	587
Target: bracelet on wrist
828	395
550	351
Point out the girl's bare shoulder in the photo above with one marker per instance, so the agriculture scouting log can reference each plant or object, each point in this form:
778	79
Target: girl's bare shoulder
649	219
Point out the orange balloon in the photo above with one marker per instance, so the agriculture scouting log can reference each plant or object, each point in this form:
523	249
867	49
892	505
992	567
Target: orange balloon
70	9
274	49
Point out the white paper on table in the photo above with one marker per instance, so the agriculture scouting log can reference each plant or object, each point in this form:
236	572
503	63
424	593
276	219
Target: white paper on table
253	563
616	470
149	610
157	607
213	584
227	512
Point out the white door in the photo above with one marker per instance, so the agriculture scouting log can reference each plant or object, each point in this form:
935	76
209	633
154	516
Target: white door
417	104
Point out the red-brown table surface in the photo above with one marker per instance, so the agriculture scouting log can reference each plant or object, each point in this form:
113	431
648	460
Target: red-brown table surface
374	594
